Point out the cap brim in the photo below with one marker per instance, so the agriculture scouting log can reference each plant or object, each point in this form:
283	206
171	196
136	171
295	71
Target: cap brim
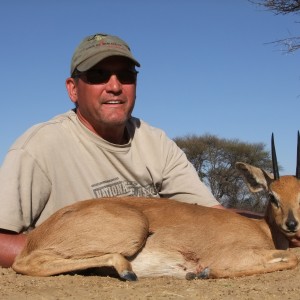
92	61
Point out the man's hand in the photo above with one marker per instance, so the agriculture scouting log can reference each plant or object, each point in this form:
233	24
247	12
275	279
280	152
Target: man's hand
245	213
11	244
295	241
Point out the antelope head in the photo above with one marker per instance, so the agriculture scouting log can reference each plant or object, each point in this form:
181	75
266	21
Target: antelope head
283	191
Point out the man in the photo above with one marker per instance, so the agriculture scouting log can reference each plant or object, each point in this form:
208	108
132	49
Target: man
95	150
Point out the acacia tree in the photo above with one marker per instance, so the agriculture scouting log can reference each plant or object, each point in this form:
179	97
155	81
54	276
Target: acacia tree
214	160
279	6
283	7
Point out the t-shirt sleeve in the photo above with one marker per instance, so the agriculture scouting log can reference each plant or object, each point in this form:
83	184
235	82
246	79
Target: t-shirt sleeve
24	191
180	179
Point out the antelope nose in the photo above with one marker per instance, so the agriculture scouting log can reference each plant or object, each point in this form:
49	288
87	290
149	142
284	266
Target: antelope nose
291	225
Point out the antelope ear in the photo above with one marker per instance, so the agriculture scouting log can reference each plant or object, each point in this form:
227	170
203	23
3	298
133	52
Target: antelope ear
256	179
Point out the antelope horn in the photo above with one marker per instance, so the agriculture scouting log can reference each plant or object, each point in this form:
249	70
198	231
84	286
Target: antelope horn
298	158
274	160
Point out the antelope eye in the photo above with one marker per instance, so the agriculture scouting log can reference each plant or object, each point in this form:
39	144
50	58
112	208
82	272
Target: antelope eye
273	200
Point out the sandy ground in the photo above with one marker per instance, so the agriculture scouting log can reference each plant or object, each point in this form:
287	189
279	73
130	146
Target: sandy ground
278	285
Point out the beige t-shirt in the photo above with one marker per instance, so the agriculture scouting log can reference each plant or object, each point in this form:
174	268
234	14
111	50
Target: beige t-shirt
59	162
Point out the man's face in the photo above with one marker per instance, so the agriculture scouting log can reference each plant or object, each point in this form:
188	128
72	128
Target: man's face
108	104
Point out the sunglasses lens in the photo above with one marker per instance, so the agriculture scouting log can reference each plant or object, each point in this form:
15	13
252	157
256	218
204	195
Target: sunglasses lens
101	76
97	76
127	77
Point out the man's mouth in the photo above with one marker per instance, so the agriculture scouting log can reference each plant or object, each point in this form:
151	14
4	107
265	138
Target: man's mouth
113	102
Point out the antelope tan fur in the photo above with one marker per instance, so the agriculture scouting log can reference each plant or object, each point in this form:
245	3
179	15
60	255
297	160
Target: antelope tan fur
153	237
145	237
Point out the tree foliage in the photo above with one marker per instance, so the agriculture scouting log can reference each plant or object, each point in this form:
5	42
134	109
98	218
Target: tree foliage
280	6
283	7
214	160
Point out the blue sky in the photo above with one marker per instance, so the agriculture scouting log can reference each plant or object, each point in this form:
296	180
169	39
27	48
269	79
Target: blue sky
207	66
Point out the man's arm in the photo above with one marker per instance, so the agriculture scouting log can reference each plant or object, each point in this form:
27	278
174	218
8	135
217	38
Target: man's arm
219	206
11	244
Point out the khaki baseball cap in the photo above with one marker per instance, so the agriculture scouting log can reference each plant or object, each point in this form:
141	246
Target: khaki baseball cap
95	48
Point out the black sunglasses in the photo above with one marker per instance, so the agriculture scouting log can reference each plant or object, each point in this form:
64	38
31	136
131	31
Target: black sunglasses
98	76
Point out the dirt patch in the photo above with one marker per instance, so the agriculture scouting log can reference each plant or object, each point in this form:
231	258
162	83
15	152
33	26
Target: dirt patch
278	285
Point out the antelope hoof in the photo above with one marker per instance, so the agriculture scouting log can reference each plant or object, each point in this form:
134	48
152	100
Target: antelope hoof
190	276
201	275
128	276
204	274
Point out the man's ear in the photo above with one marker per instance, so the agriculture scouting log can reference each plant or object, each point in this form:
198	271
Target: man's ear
71	86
